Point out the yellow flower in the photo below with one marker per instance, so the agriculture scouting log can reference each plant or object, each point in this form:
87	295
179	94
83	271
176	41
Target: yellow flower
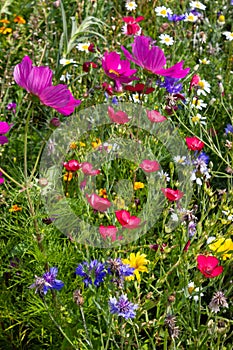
4	21
138	185
119	202
5	30
19	19
137	261
96	143
82	144
103	193
68	176
15	208
222	245
73	145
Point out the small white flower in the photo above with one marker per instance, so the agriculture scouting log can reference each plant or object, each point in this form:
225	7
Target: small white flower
163	175
228	214
194	292
197	103
210	240
203	87
174	217
229	35
180	159
197	4
83	47
65	61
190	17
198	119
65	77
163	11
131	5
204	61
136	98
166	39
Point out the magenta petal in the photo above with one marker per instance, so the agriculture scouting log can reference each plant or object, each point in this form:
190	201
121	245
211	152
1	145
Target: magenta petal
39	79
70	106
175	71
1	180
4	127
22	71
3	140
55	96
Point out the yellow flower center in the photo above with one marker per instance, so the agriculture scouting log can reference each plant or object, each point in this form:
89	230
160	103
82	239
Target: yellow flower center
163	12
114	72
201	84
196	119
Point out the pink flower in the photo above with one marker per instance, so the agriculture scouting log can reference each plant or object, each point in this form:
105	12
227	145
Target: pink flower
38	82
208	265
108	88
155	116
1	179
194	143
119	117
98	203
126	220
152	58
149	166
172	195
194	81
4	128
72	165
87	169
132	27
139	88
109	231
117	69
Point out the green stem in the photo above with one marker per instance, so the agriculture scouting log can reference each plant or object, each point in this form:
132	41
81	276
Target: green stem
37	161
28	113
11	178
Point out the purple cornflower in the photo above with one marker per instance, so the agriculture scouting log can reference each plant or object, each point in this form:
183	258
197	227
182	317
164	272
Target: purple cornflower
229	129
47	281
117	69
192	229
1	179
4	128
95	271
152	58
11	107
175	18
172	85
203	157
122	307
201	170
38	82
119	271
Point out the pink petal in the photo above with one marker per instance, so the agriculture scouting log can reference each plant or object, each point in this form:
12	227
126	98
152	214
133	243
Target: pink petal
39	79
22	71
4	127
70	106
3	140
149	165
155	116
217	271
55	96
175	71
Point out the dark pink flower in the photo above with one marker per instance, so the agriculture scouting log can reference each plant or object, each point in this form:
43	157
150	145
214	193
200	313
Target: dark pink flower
149	166
172	195
117	69
194	81
187	245
132	27
98	203
139	88
87	169
55	122
108	88
119	117
208	265
5	127
38	82
108	231
152	58
1	179
155	116
126	220
194	144
72	165
87	65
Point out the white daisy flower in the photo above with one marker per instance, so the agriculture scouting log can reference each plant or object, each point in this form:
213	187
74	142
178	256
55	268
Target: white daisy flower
65	61
163	11
203	87
163	175
204	61
83	47
131	5
180	159
190	17
229	35
194	292
166	39
210	239
197	5
65	77
197	103
198	119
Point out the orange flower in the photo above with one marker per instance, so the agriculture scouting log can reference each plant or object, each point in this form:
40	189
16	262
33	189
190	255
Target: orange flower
68	176
103	193
4	21
15	208
19	19
5	30
138	185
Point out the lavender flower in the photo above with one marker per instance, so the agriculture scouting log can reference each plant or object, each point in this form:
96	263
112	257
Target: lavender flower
175	18
122	307
119	271
218	300
229	129
172	85
47	281
201	171
11	107
93	272
192	228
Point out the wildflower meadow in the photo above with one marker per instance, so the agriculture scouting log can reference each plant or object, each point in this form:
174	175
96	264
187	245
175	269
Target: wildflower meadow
116	166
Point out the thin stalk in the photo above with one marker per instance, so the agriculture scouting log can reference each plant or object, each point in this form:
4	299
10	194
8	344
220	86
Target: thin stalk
11	178
85	327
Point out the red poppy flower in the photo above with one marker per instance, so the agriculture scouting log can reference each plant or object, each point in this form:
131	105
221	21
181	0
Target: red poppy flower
208	265
126	220
87	169
172	195
149	166
132	27
108	231
119	117
194	144
72	165
155	116
98	203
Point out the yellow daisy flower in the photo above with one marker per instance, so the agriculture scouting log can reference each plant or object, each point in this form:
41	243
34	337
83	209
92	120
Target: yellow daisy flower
222	245
138	185
137	261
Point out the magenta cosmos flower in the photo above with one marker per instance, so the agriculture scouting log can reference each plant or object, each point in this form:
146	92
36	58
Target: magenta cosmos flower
152	58
117	69
38	81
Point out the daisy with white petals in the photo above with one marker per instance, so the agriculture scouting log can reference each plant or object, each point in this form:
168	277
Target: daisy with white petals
131	5
197	5
197	103
166	39
163	11
198	119
228	35
203	87
83	47
190	17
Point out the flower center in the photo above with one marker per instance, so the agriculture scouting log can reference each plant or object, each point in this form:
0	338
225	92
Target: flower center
114	72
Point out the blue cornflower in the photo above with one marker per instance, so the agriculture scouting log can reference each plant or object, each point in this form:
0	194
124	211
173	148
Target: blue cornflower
175	18
204	157
172	85
47	281
119	270
93	272
229	129
122	307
